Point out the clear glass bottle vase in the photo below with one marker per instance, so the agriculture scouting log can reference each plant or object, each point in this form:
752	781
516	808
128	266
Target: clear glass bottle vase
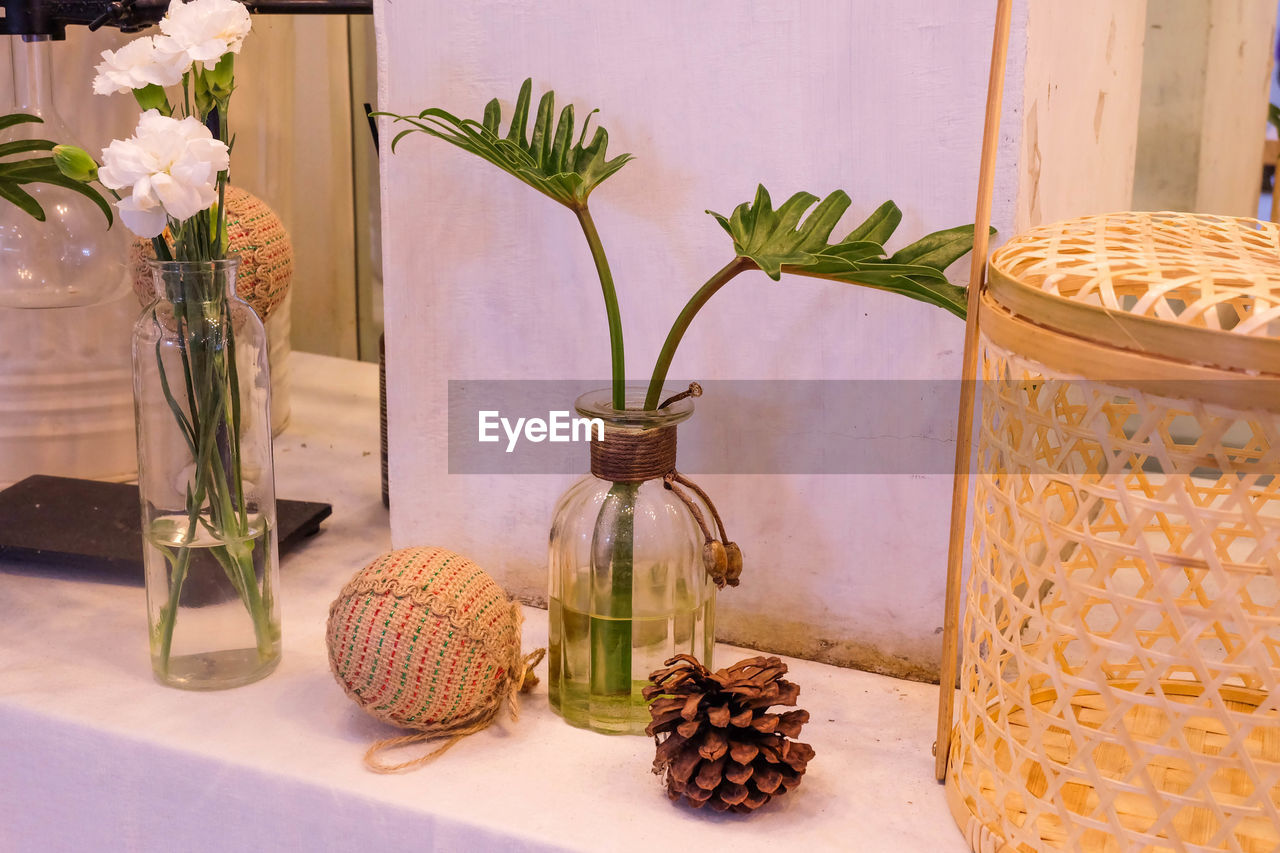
628	589
202	399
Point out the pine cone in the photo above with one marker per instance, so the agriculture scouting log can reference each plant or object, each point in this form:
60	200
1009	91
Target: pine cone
721	747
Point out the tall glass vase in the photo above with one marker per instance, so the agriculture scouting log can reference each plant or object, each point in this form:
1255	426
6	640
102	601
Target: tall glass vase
628	588
202	398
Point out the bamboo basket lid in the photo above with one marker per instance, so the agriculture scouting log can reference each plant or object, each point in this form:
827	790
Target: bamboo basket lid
1190	288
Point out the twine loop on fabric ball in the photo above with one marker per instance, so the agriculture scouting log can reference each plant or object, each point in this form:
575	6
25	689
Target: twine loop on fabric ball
423	638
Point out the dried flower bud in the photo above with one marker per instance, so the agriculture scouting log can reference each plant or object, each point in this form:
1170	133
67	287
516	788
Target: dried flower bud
715	561
75	163
734	571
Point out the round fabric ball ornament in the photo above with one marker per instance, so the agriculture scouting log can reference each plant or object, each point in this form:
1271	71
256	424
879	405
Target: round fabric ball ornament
255	234
424	639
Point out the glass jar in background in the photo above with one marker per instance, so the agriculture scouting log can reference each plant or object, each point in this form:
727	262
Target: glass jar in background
70	259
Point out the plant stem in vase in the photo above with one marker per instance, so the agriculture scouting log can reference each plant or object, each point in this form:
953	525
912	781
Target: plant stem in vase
205	479
613	551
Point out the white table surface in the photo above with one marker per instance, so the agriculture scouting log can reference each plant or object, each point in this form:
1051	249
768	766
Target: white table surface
94	755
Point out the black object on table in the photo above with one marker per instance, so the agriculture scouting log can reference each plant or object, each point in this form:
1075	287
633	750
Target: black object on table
93	530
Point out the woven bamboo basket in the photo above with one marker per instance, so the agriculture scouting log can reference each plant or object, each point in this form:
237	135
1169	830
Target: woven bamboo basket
1121	632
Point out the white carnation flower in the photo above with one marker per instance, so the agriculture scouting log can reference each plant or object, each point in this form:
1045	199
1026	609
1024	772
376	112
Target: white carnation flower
170	168
142	62
207	29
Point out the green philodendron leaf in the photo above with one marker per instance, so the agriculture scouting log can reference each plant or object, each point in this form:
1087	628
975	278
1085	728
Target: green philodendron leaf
938	250
548	159
14	173
772	238
778	241
923	288
879	226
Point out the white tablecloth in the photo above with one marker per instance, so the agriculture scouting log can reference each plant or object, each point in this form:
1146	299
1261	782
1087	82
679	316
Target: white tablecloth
94	755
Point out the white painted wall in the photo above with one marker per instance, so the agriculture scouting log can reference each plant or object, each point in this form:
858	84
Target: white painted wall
487	279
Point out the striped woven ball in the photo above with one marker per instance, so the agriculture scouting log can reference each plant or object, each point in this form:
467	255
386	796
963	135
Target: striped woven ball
424	638
257	236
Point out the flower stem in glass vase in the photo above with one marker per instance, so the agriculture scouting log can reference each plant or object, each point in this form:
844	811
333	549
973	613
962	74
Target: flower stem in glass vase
220	528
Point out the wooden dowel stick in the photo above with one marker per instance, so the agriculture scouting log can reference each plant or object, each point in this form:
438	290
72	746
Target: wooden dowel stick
964	429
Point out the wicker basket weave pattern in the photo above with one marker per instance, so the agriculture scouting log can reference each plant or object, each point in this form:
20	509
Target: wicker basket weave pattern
1214	272
1121	635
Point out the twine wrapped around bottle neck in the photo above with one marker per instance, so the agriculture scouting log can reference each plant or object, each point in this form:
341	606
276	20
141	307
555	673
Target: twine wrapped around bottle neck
638	455
634	456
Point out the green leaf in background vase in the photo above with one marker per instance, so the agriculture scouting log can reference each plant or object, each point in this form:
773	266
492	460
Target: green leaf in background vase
50	174
24	146
12	193
8	121
36	170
